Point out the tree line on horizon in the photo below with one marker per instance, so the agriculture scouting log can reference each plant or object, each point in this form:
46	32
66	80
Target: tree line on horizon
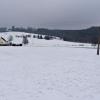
89	35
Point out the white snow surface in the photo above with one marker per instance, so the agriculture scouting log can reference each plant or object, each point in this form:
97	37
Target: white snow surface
42	42
49	72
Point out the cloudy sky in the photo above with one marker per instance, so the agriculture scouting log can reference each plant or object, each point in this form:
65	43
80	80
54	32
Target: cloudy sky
63	14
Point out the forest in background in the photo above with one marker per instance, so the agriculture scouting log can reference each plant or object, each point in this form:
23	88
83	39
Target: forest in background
89	35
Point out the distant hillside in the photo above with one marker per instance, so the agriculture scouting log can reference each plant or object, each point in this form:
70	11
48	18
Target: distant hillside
89	35
34	41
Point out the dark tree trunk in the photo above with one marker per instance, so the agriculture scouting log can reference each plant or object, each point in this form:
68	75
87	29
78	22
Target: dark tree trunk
98	47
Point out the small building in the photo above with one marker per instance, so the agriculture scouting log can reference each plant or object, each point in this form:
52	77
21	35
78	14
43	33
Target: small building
3	42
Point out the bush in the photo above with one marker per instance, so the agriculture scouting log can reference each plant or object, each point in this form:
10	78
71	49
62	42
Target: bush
47	37
25	40
34	36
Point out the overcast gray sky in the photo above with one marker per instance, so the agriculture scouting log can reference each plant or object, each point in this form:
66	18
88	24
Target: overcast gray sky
63	14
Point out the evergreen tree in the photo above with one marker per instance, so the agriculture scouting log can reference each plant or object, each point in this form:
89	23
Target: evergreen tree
25	40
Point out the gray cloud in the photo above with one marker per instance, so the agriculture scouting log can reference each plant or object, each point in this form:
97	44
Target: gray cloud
64	14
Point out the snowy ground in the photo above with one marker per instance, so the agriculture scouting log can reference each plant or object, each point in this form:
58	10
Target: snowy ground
49	73
34	42
48	70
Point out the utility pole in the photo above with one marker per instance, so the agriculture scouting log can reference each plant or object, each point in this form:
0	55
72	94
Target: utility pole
98	47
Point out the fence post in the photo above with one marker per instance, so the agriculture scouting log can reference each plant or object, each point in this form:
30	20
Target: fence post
98	47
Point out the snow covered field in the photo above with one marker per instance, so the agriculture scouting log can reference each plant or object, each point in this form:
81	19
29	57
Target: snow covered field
48	70
49	73
34	42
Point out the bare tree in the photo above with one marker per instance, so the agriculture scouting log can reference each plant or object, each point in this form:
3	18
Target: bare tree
25	40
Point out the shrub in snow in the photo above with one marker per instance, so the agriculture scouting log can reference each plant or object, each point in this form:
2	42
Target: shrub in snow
25	40
29	36
38	36
34	36
47	37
